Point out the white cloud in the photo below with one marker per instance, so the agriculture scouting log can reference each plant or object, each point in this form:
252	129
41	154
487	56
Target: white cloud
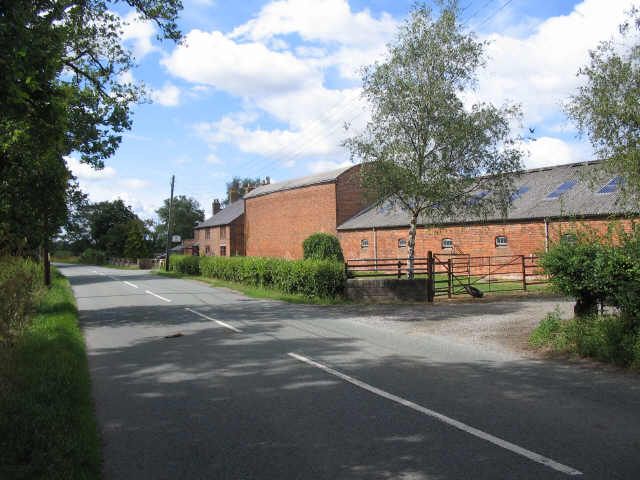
168	95
242	69
328	21
547	151
139	33
213	159
86	172
134	183
539	70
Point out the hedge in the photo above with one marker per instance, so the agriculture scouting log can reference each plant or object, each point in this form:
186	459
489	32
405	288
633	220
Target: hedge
311	278
186	264
322	246
92	256
21	283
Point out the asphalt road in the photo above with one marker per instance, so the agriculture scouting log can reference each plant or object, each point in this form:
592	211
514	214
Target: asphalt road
255	389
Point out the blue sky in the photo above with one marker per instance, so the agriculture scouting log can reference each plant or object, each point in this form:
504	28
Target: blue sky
264	87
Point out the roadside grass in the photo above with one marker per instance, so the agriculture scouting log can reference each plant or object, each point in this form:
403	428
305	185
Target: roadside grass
47	423
75	260
257	292
607	338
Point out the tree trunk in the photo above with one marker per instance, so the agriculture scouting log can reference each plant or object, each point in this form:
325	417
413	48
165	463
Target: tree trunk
412	245
46	263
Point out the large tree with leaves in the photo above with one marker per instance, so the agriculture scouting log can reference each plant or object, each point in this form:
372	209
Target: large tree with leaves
606	105
184	216
424	150
61	91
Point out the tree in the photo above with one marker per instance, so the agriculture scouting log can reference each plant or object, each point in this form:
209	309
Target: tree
109	225
62	65
186	212
605	107
136	246
422	150
241	186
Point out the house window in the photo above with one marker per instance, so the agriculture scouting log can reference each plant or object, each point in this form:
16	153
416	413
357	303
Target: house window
223	233
569	238
207	250
402	243
364	243
223	251
447	243
207	234
501	241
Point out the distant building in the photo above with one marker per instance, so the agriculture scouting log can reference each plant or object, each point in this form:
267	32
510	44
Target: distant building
280	216
222	234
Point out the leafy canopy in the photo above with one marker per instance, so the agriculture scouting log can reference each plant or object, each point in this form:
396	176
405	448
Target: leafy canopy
186	212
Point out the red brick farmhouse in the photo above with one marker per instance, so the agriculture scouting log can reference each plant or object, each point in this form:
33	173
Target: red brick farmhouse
222	234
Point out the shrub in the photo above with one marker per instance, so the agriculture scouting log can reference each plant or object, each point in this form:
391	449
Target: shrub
322	246
93	257
21	284
187	264
547	332
311	278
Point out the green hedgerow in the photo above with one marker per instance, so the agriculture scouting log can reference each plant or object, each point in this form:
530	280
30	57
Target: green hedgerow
322	246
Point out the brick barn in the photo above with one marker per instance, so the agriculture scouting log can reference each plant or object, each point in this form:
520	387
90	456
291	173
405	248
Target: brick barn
548	204
222	234
279	216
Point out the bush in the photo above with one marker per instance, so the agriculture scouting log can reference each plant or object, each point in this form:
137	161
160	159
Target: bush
547	332
186	264
92	256
322	246
311	278
21	283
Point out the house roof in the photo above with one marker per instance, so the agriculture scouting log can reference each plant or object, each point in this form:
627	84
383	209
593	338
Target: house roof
224	216
580	198
316	179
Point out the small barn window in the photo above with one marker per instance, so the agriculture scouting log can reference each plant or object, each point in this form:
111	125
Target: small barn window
364	243
447	243
402	243
501	241
569	238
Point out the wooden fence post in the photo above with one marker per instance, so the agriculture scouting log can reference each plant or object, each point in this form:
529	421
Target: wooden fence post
524	275
399	269
430	279
450	277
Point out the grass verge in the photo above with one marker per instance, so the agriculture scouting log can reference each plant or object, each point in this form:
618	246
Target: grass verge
47	423
257	292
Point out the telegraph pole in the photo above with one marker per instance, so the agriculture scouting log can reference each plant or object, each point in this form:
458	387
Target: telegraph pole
166	262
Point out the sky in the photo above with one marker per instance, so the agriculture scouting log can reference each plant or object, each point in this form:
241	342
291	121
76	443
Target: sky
265	88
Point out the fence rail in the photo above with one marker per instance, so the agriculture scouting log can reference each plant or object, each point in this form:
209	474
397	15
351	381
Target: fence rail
455	274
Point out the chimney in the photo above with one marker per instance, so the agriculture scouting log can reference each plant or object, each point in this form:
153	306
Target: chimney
215	206
233	195
267	181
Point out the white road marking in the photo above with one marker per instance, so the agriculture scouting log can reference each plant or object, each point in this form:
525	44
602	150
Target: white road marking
219	322
443	418
94	271
130	284
102	273
157	296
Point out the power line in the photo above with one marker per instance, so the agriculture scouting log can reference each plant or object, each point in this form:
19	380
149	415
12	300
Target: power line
504	5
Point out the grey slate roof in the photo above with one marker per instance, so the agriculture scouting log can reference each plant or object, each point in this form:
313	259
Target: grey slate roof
582	200
224	216
318	178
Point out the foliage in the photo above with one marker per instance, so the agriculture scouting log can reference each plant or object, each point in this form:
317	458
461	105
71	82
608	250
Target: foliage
47	422
186	212
311	278
322	246
598	269
92	256
187	264
605	106
423	150
136	246
21	285
109	225
546	334
241	186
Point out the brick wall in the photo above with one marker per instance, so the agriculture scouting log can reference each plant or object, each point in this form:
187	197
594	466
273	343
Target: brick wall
276	224
349	197
523	238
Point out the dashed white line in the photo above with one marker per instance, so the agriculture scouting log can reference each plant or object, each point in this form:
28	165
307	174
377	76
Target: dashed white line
219	322
130	284
157	296
443	418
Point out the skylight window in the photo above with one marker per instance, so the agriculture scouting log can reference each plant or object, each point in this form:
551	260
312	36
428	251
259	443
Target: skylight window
475	199
563	188
612	185
518	193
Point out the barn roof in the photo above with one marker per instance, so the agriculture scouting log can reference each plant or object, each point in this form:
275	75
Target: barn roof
316	179
551	192
224	216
